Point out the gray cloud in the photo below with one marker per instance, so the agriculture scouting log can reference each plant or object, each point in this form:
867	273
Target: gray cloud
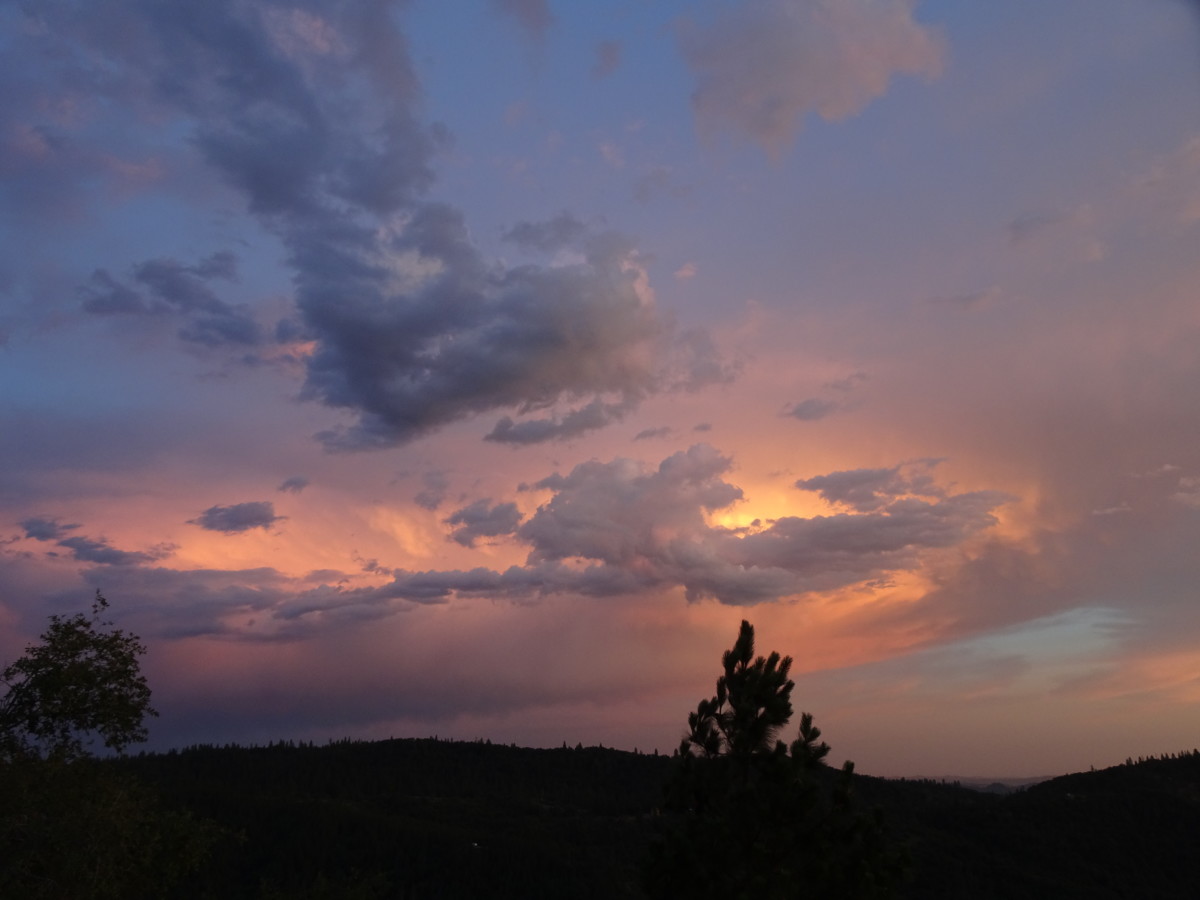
176	603
867	490
436	485
43	529
812	409
173	287
85	549
763	65
576	423
619	528
106	296
101	552
648	433
238	518
311	117
470	339
480	519
695	362
293	485
606	529
560	232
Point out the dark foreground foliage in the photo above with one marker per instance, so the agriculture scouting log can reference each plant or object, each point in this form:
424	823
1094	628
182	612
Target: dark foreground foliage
438	819
750	817
1125	832
414	819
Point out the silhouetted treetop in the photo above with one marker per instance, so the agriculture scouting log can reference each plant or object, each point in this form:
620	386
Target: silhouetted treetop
82	682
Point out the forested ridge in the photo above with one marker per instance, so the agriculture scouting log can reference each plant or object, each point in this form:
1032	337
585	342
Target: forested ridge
735	813
432	818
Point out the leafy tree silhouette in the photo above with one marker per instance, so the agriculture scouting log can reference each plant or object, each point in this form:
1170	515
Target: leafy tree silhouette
70	826
749	816
83	681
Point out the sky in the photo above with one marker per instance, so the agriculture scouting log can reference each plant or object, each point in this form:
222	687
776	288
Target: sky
472	369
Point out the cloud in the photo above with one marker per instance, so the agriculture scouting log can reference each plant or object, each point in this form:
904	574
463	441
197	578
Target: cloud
178	603
103	553
576	423
850	383
470	339
866	490
238	518
312	118
480	519
608	57
293	485
564	230
762	66
430	497
1188	492
175	288
87	549
695	362
620	528
812	409
650	433
42	529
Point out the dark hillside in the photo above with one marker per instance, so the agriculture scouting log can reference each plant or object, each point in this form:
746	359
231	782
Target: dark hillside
1125	832
428	818
416	818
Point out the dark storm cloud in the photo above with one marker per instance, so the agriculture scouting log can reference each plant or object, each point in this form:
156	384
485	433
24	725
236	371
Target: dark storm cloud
311	115
480	519
100	551
470	338
238	518
576	423
293	485
85	549
42	529
185	287
169	286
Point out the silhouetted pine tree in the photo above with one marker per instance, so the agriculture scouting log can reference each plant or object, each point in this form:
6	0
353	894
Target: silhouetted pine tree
749	816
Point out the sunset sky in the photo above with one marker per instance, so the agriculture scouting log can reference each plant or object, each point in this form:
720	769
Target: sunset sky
472	368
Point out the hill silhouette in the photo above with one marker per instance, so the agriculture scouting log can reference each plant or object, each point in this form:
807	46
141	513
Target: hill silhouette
429	818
